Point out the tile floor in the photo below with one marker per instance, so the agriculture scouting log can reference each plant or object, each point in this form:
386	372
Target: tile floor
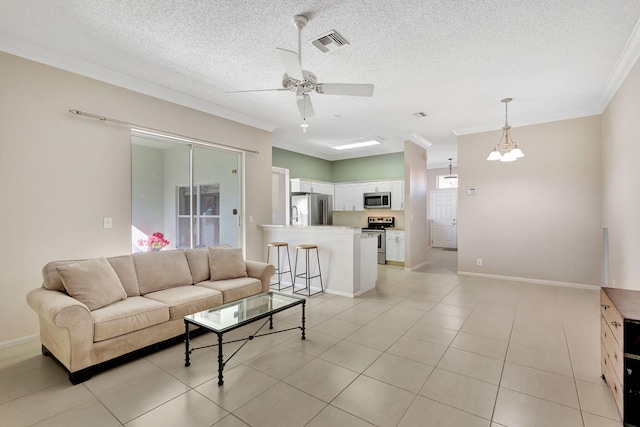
426	348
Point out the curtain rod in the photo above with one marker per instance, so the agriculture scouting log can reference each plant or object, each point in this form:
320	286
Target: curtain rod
158	132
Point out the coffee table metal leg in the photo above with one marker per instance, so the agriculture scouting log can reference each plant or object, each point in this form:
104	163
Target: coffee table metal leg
271	322
220	361
186	344
303	304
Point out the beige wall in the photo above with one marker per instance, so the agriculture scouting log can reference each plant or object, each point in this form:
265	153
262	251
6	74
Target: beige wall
621	174
61	174
415	202
539	217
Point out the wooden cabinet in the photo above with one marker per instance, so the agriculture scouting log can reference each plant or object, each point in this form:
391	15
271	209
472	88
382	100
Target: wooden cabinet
620	349
395	245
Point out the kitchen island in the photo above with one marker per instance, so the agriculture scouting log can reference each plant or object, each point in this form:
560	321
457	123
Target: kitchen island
348	258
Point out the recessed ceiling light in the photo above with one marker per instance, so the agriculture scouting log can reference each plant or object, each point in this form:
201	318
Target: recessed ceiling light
357	144
420	114
335	116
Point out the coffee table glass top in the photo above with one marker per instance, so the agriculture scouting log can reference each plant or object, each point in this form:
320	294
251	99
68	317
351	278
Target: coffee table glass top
242	311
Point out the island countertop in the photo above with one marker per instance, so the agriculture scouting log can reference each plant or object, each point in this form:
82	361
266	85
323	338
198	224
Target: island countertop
313	227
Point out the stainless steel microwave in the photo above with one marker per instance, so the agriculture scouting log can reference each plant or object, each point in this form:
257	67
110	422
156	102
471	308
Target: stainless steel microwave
378	200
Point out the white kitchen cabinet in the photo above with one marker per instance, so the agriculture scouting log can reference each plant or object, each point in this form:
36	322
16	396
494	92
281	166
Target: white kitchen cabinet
299	185
340	197
397	194
359	188
395	245
383	186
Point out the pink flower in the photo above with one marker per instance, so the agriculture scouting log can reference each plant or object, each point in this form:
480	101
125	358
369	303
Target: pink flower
155	242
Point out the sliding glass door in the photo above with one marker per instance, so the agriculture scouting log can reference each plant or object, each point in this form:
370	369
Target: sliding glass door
188	193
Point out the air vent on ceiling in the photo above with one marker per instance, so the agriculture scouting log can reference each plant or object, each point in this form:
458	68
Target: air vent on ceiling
329	42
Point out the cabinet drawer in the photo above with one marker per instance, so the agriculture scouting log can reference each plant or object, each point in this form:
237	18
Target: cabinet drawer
614	385
612	316
611	349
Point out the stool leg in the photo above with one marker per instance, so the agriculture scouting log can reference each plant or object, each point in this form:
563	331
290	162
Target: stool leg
307	277
295	273
293	282
319	272
279	268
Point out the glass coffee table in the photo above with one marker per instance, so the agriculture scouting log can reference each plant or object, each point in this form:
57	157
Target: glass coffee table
234	315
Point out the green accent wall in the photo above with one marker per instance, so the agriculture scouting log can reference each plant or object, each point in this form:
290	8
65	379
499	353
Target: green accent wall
385	166
301	166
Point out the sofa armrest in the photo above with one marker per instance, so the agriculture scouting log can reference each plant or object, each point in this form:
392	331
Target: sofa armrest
57	308
262	271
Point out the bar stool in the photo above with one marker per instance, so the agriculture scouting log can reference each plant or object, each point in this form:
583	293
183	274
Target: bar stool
306	274
279	271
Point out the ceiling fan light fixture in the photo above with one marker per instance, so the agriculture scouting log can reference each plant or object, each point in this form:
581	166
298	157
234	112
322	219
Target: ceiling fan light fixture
358	144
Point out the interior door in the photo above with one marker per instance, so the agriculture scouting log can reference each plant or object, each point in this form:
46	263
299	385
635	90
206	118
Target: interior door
444	214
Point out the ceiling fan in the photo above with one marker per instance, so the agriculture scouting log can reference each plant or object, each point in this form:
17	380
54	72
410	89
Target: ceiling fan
303	82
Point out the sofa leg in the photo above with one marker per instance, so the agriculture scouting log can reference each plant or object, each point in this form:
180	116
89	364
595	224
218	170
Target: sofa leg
80	376
45	351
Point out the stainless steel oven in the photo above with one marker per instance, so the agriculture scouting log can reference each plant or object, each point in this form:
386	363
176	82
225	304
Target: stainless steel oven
376	226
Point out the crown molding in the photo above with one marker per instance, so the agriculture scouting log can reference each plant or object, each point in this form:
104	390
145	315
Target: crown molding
627	59
64	61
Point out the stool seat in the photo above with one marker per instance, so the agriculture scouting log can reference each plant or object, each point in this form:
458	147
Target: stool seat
277	244
307	246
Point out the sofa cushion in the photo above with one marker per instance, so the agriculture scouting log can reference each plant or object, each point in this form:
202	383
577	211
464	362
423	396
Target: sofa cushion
127	316
199	262
92	282
234	289
51	280
186	300
226	263
161	270
126	271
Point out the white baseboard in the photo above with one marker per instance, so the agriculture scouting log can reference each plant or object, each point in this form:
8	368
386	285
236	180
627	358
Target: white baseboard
528	280
415	267
18	341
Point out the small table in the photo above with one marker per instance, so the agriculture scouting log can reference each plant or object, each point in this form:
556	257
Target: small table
234	315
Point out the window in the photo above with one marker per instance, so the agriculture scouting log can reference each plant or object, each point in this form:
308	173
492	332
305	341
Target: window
447	181
191	193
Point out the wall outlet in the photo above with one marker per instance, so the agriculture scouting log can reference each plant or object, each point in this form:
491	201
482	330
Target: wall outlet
107	222
479	261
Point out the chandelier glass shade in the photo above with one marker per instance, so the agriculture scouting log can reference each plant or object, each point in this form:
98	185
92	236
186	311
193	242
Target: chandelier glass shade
506	150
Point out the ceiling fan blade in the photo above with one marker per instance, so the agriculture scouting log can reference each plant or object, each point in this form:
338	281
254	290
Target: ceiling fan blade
256	90
345	89
291	63
305	107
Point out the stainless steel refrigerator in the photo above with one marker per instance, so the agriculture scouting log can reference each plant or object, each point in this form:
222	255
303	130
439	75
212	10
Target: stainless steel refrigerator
311	209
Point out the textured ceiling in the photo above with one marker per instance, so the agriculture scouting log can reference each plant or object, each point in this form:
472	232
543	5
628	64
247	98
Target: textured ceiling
453	60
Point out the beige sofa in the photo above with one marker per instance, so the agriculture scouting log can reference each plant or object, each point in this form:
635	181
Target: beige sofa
96	312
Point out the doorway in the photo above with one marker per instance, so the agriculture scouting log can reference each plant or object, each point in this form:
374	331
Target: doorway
444	214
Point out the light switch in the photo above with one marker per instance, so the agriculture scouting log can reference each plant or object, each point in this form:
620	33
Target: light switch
107	222
472	191
250	218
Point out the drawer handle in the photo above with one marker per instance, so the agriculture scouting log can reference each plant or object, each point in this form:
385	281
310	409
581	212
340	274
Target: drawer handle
616	324
605	306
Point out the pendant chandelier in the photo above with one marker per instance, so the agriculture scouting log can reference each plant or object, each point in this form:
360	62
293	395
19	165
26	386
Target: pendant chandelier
450	175
506	150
